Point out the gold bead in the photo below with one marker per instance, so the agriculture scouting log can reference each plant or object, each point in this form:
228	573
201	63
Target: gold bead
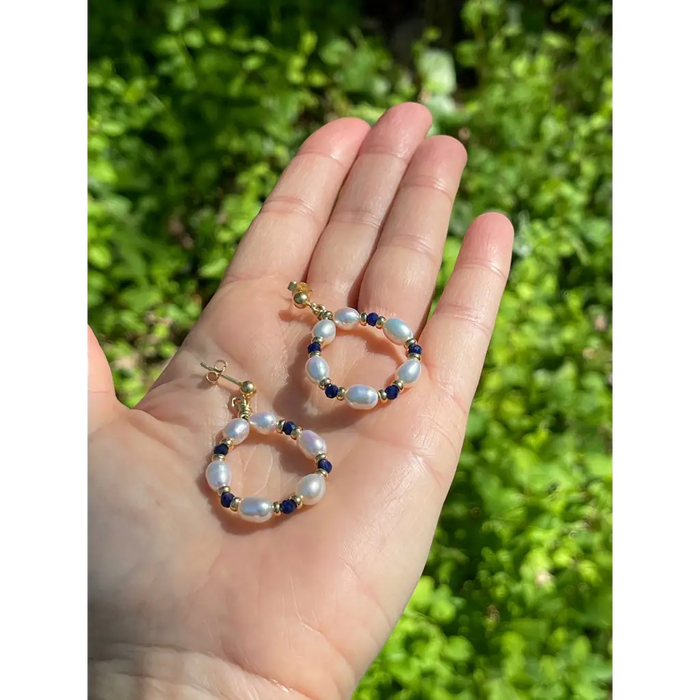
235	503
363	319
297	500
301	299
296	433
320	456
228	442
280	425
322	472
223	490
382	395
315	354
398	384
341	393
325	382
316	339
413	356
276	508
409	342
218	458
380	321
248	388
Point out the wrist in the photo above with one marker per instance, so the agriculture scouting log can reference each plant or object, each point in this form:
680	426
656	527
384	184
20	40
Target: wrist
157	673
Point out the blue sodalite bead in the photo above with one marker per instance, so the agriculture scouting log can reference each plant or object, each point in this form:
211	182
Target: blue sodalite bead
325	465
372	319
392	392
331	391
227	499
288	506
415	350
221	449
289	427
314	347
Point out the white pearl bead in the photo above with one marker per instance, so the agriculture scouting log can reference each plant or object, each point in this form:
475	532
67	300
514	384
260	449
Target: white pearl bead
317	369
218	474
264	422
237	430
409	372
311	488
362	397
311	444
397	331
325	330
346	319
255	509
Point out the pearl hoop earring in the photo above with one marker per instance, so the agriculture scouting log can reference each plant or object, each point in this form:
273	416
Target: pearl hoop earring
358	396
310	489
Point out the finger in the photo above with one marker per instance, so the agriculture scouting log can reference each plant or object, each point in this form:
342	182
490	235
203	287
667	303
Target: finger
350	237
280	240
457	335
102	400
276	248
400	279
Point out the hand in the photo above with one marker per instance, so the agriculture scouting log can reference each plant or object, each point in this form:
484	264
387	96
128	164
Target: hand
187	600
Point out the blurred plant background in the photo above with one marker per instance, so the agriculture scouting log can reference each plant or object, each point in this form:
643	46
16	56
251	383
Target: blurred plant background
195	107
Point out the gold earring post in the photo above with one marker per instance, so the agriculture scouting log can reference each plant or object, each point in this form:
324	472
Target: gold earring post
301	293
217	372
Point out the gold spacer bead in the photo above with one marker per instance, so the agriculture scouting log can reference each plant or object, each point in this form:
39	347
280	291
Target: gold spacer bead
280	425
398	384
248	388
224	489
218	458
380	321
322	472
382	395
235	503
301	299
320	456
341	393
325	382
296	433
316	339
276	508
413	356
298	500
228	442
316	353
409	342
363	319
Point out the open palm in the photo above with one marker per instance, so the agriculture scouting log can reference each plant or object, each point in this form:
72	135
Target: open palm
186	599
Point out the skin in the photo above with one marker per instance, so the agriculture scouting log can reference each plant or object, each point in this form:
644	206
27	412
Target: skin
188	601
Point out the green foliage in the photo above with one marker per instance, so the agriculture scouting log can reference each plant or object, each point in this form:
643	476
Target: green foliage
193	112
195	108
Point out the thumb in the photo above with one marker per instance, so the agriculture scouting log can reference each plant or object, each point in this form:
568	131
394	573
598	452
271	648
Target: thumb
102	400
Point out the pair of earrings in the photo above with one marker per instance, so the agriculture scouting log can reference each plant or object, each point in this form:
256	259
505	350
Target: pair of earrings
312	487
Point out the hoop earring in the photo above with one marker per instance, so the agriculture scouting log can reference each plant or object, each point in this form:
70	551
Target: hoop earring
358	396
310	489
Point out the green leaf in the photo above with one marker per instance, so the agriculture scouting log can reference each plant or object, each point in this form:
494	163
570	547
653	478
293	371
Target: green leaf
99	256
458	649
437	72
580	649
308	43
